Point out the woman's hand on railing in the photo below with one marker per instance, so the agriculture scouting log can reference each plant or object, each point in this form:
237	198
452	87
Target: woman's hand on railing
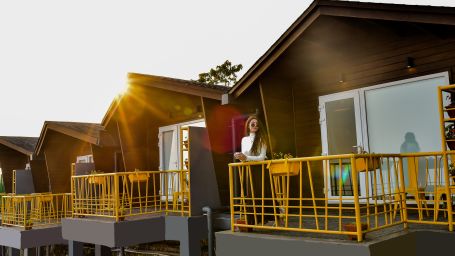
240	156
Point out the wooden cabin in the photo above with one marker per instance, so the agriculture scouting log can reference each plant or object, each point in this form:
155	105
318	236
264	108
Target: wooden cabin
15	153
62	143
152	111
349	74
347	77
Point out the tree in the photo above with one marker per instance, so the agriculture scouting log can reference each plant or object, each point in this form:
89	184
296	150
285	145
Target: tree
224	74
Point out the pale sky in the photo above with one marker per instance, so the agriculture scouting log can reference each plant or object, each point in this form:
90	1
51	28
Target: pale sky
67	60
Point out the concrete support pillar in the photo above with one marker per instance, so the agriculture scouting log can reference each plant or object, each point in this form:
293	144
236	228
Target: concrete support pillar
29	252
13	251
190	246
189	231
75	248
102	250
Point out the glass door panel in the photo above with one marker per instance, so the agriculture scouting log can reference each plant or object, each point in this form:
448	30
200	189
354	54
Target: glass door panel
341	133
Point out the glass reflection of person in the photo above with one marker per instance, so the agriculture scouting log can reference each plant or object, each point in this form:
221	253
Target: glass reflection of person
253	144
410	145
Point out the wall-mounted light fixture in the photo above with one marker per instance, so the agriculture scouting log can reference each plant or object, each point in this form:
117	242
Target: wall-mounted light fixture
410	62
341	77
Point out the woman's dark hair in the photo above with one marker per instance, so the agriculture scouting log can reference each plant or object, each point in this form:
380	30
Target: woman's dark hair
259	138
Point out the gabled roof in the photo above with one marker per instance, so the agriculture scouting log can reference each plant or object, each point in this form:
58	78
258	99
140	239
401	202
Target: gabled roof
88	132
25	145
380	11
171	84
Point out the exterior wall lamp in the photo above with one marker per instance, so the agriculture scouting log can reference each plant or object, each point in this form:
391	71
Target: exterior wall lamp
341	77
410	62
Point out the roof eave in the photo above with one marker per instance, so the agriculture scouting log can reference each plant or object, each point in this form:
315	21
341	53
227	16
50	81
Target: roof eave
15	147
65	131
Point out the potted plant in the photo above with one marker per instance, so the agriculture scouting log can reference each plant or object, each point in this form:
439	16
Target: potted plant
452	171
370	162
450	136
185	143
352	227
187	163
138	176
451	107
96	179
283	168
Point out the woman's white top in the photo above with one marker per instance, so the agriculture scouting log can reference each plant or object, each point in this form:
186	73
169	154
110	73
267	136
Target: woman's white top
247	143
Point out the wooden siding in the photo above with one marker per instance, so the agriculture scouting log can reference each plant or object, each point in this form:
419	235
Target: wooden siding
277	101
60	151
218	122
140	114
10	160
40	177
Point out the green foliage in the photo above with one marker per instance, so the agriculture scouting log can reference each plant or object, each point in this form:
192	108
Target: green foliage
2	187
281	155
224	74
452	169
450	131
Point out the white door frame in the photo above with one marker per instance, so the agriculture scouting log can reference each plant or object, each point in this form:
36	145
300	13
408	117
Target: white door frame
354	94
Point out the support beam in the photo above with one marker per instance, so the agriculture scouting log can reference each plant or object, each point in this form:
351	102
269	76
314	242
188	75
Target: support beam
102	250
29	252
13	251
190	246
75	248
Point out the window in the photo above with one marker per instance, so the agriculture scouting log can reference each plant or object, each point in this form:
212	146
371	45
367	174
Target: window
396	117
169	148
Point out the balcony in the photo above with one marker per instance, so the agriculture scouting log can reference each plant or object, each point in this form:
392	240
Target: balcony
120	196
33	220
341	195
35	210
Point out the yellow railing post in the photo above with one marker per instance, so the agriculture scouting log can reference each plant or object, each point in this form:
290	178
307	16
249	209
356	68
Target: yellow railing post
231	192
448	193
189	191
73	193
116	197
355	183
402	190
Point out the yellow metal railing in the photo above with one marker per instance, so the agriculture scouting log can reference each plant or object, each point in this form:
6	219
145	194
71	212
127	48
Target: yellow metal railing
120	195
27	211
360	193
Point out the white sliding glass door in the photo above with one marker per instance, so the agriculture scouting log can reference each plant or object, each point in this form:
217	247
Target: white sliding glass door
397	117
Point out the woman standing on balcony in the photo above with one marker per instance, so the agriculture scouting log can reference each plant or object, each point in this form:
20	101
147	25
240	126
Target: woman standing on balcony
254	146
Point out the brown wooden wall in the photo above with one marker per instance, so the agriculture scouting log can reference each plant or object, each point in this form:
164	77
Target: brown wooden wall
140	114
10	160
60	151
40	177
218	122
278	104
104	158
